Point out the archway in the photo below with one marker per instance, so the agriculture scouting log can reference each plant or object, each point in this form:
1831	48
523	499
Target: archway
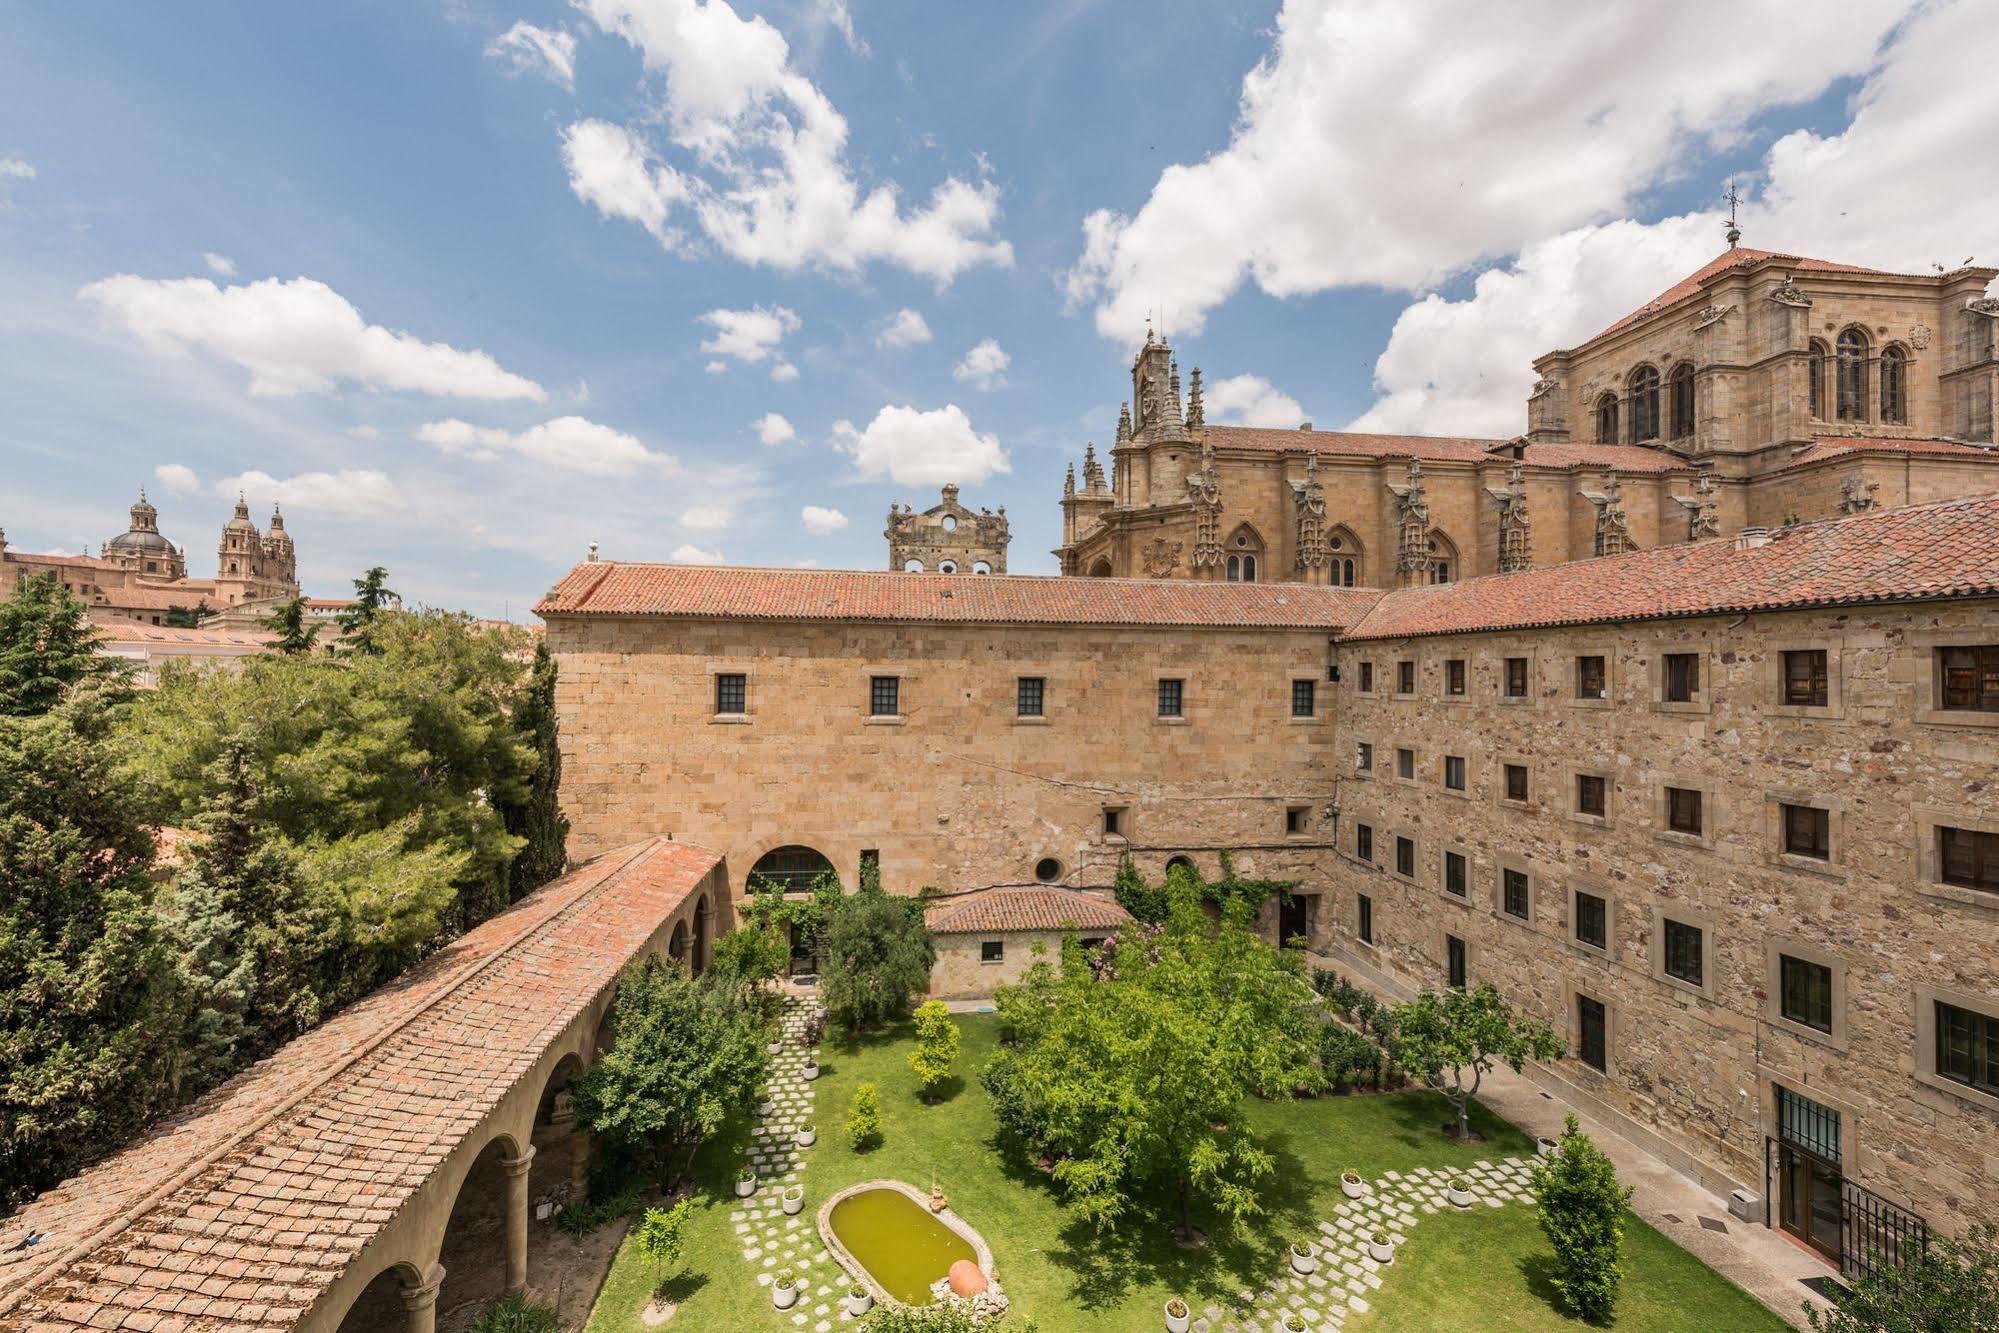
382	1306
476	1240
556	1173
1245	554
676	947
792	867
1100	568
912	566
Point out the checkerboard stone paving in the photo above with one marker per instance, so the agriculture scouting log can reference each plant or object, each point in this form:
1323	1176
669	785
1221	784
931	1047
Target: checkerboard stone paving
1347	1278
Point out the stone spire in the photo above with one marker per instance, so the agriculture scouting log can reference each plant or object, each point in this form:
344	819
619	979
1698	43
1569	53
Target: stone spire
1515	536
1093	471
1124	423
1308	499
1613	530
1197	414
1069	482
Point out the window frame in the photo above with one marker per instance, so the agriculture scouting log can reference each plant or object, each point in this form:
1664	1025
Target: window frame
1577	698
1933	646
1929	822
1112	823
1413	875
1928	1042
1579	1030
992	952
1700	701
1363	759
1506	672
1667	914
1773	677
1778	947
876	679
1703	791
1578	890
1984	853
1608	778
1502	795
1457	962
1458	764
1408	671
1504	868
1457	678
1775	835
727	682
1178	688
1364	676
1297	821
1364	833
1364	919
1021	686
1310	688
1405	773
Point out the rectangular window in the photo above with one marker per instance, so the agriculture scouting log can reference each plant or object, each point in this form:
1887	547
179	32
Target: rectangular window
1405	764
731	693
1968	858
1296	819
1513	894
1367	678
1366	919
1303	697
1454	772
885	696
1592	682
1968	678
1363	843
1591	1032
1590	795
1454	676
1030	696
1805	992
1405	857
1683	810
1405	677
1683	953
1808	831
1805	677
1592	920
992	951
871	865
1516	678
1683	677
1454	964
1454	873
1516	782
1113	820
1968	1047
1363	757
1169	698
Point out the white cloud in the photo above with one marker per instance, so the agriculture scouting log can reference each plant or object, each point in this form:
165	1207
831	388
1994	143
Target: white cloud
1531	118
220	265
177	478
13	168
573	443
296	336
984	367
820	521
361	493
1250	400
774	429
905	328
716	368
365	432
765	177
687	553
526	49
835	15
784	372
921	448
705	518
750	336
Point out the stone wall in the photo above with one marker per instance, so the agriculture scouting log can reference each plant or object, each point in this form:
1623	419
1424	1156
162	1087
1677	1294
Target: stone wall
961	974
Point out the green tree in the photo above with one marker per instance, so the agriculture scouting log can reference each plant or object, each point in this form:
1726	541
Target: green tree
47	645
745	959
936	1052
537	819
878	958
864	1118
295	635
189	617
1949	1286
685	1060
1453	1038
1581	1208
661	1235
372	597
91	1012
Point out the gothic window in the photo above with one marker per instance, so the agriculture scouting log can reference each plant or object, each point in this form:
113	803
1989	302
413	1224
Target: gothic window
1851	402
1345	560
1894	385
1819	357
1683	400
1101	569
1606	419
1443	559
1644	404
1242	569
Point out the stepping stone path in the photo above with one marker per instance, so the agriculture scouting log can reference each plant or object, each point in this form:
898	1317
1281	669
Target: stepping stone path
1347	1278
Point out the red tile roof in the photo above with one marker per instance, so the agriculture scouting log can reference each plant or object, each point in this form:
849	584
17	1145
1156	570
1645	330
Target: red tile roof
611	588
241	1209
1440	449
1739	257
1028	907
1918	553
1836	446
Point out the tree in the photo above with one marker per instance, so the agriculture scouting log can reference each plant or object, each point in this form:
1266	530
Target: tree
878	956
47	645
372	597
1581	1207
537	818
685	1060
189	617
1948	1286
295	635
1456	1035
936	1047
744	960
661	1235
864	1118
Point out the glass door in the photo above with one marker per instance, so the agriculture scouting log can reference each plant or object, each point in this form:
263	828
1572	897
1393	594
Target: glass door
1810	1206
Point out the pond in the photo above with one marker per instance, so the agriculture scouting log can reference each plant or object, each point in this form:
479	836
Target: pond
895	1238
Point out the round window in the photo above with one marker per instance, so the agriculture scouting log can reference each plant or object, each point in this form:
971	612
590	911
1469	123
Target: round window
950	522
1337	542
1241	540
1048	870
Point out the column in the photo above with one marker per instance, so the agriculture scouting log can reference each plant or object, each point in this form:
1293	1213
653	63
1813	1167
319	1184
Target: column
517	1217
579	1164
420	1302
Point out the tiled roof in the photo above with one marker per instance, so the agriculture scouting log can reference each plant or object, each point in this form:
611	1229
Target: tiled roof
1029	907
165	636
1442	449
1917	553
1739	257
611	588
239	1211
1835	446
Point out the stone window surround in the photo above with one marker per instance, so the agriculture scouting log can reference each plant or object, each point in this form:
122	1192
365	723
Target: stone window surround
1926	1041
1444	935
1471	874
1572	1028
1500	761
1703	700
1181	718
1415	856
1768	1079
1606	820
985	946
1304	829
1499	694
1395	685
1319	715
732	668
1042	718
1687	915
1929	681
1608	652
1600	888
1834	866
1710	825
1373	668
1373	861
895	719
1444	695
1374	753
1352	924
1415	778
1444	787
1123	833
1929	876
1503	864
1774	950
1770	679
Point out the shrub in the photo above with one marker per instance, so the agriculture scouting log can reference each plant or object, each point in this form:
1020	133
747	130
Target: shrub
660	1234
583	1217
864	1118
1949	1284
1345	1056
1582	1214
935	1319
515	1313
936	1047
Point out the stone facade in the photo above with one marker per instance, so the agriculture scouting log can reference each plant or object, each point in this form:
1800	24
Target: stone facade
964	971
947	538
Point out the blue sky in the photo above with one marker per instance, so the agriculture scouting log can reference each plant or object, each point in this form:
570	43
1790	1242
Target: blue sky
439	276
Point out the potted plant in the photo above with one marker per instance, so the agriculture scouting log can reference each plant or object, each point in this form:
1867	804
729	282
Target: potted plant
859	1300
1178	1317
1381	1248
775	1046
807	1135
1459	1192
765	1106
1351	1184
784	1289
811	1070
1295	1322
746	1183
1303	1258
794	1198
1545	1146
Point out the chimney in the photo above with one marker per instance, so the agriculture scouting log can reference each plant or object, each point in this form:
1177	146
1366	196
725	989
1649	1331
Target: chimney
1750	538
1304	425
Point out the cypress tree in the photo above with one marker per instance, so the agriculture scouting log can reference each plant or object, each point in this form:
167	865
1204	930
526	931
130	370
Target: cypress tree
539	818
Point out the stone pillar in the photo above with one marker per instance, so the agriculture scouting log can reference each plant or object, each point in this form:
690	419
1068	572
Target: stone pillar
517	1218
420	1302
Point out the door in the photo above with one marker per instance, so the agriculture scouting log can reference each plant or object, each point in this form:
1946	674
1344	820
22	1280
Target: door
1294	917
1810	1204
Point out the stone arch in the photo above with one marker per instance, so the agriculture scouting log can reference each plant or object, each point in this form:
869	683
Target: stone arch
1346	558
1445	563
1244	554
1852	351
1100	568
561	1154
1643	385
1894	383
912	566
704	931
982	566
478	1249
793	865
1606	417
1183	862
1817	359
1680	392
676	946
383	1305
947	566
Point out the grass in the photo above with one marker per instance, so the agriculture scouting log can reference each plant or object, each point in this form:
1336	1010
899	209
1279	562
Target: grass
1070	1277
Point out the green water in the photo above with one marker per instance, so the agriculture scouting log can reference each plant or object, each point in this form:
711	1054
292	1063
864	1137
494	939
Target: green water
896	1239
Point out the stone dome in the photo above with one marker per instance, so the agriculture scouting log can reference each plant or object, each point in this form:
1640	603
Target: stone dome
144	536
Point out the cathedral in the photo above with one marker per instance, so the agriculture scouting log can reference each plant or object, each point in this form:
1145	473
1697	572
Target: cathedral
1763	390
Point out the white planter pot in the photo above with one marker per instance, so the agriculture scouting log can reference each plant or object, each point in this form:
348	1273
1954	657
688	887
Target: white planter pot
807	1137
1353	1189
1459	1198
745	1188
1545	1147
858	1305
1179	1323
783	1297
1304	1263
1381	1254
794	1204
765	1108
810	1072
775	1047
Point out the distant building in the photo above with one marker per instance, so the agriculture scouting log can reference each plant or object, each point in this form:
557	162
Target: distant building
947	538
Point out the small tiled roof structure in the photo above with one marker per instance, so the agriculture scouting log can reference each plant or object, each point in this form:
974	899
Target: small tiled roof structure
1739	257
238	1211
1443	449
1928	552
997	911
614	588
1823	447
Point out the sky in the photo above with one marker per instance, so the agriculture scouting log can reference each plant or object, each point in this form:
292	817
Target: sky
467	285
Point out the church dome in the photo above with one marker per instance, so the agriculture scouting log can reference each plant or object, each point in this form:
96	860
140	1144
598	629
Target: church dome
278	538
144	537
240	520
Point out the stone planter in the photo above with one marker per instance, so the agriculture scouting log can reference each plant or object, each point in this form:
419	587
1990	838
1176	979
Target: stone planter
807	1136
746	1186
859	1301
1380	1248
764	1109
1306	1262
794	1200
784	1293
1459	1197
1545	1147
810	1072
774	1047
1178	1323
1352	1185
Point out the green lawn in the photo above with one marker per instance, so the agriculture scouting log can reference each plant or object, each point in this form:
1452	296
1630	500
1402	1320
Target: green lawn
1070	1277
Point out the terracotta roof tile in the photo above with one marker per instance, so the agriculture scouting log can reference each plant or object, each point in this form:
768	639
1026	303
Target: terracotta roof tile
1918	553
1834	446
1027	907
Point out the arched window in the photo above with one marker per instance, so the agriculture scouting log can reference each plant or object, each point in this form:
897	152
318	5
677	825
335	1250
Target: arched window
912	566
1644	404
1344	564
1101	567
947	566
791	868
1245	546
1443	559
1242	569
1683	400
1606	419
1894	384
1852	397
981	567
1820	355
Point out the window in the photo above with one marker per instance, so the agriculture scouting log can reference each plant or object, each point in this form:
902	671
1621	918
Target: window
1682	678
1454	873
1363	843
1405	764
1819	356
885	696
1297	819
1169	698
1454	772
1644	404
1968	858
1592	920
1242	568
1894	400
1303	697
1113	820
1805	677
1606	419
1405	857
1968	678
1683	810
1516	782
1590	795
1516	678
871	865
1683	400
1592	1030
1363	759
1454	676
1592	681
1048	870
1807	831
992	951
1851	398
731	693
1405	677
1367	678
1454	965
1683	953
1030	696
1366	922
1513	893
1968	1047
1805	992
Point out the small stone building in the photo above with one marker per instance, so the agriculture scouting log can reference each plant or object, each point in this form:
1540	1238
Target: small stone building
989	938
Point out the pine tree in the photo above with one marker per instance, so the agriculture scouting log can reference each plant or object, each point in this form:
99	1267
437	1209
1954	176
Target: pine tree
539	819
189	617
47	644
372	596
294	636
